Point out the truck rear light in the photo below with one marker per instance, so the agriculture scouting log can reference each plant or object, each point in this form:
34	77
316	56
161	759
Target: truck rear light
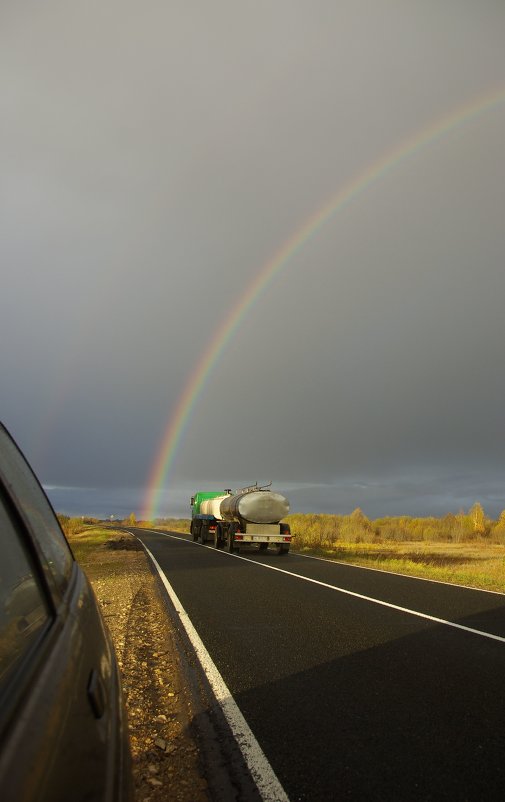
288	539
239	537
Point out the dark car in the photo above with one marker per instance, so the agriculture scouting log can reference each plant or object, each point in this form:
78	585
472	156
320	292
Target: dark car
63	731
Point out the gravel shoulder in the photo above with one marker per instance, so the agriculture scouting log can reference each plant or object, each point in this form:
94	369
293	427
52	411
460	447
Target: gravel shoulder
159	700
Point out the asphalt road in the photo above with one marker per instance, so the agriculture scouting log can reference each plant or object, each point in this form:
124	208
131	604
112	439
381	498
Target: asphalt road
350	698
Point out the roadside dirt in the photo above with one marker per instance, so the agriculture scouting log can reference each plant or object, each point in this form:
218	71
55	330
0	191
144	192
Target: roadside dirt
165	752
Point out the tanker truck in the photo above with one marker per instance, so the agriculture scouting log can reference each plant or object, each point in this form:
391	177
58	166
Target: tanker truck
249	516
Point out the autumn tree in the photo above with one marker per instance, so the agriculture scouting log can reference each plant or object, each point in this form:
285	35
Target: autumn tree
359	518
478	518
500	526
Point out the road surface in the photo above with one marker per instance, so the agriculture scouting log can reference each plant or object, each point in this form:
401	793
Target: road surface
357	684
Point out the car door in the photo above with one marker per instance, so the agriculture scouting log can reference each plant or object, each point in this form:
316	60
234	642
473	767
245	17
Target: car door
62	725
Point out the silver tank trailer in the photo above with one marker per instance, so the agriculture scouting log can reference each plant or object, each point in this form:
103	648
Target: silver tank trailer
210	506
256	506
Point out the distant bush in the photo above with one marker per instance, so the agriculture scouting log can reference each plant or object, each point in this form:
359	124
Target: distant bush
498	531
326	530
73	526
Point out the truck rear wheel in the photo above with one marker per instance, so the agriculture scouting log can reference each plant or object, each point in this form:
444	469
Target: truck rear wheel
217	537
204	531
282	549
230	539
263	546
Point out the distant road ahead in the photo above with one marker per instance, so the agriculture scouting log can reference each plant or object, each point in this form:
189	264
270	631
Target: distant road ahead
352	698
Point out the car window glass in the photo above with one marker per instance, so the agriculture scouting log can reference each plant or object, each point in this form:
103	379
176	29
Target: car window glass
23	609
36	510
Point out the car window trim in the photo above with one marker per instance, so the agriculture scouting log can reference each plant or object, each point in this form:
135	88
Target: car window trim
32	545
23	671
18	502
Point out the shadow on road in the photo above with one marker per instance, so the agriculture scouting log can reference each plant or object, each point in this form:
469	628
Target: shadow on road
419	718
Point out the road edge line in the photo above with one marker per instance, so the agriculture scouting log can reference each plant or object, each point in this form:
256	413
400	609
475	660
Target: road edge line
297	553
397	573
263	774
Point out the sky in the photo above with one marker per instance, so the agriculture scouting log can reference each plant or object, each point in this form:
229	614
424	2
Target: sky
156	157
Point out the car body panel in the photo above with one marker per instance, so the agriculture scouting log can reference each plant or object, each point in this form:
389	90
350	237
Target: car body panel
63	730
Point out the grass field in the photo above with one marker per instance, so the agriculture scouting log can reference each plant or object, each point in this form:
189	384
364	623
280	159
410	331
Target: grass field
88	549
479	565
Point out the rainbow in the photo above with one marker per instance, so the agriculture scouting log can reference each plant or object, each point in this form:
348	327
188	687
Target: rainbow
179	419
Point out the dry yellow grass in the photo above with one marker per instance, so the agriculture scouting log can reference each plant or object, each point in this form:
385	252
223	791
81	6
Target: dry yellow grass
84	544
476	564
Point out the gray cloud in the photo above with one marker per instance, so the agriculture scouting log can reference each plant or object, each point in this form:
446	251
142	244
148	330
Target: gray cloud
153	162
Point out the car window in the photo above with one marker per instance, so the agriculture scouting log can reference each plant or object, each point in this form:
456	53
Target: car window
35	510
23	608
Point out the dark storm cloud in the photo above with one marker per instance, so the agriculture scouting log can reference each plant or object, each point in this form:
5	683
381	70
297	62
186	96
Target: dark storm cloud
153	161
428	492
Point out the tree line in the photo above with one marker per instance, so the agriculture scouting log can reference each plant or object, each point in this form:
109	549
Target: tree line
325	529
322	529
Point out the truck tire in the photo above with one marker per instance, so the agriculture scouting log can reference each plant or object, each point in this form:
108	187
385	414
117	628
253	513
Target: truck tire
195	530
204	531
263	546
282	549
230	539
218	537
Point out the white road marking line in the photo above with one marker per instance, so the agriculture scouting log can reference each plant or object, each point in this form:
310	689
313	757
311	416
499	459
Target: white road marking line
263	774
427	617
395	573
